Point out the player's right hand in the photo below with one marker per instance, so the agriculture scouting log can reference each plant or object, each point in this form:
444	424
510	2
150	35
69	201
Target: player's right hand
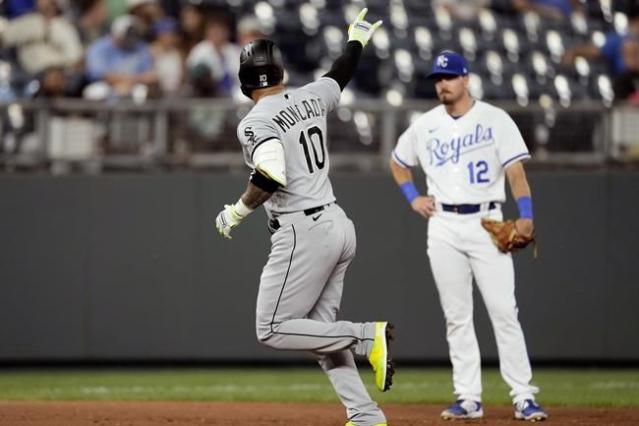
424	206
226	220
360	30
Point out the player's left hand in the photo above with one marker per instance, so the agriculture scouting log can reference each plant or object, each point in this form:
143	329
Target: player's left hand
525	227
506	235
360	30
227	219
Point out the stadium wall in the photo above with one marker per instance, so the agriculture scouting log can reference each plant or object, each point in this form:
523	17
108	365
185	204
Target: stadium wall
130	267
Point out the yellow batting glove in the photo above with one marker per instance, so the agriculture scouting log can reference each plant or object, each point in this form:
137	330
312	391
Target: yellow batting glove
230	217
360	30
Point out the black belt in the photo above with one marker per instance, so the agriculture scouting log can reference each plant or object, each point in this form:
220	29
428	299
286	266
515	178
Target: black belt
466	208
275	224
314	210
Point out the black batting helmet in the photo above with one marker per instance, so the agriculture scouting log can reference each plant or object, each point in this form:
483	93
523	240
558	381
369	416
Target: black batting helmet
260	66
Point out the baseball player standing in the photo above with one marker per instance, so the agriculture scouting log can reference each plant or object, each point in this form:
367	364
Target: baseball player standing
465	148
313	241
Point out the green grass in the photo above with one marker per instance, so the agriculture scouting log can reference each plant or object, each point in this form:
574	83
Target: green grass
559	387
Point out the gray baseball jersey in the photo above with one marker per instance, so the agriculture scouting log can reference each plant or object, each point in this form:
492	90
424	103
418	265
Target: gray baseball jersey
301	285
297	118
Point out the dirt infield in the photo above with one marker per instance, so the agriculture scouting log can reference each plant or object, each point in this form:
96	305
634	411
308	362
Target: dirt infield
269	414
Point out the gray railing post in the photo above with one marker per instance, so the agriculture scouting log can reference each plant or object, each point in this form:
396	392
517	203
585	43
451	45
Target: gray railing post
42	126
606	134
389	134
160	131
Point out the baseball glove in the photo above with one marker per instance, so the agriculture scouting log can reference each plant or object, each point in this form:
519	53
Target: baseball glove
505	236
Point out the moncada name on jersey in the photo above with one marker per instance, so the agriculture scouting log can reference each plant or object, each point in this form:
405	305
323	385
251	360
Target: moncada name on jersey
292	115
441	151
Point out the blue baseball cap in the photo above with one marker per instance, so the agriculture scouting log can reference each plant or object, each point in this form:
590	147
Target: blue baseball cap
165	25
449	63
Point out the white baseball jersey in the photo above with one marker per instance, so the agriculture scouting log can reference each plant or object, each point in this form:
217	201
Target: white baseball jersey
297	118
464	159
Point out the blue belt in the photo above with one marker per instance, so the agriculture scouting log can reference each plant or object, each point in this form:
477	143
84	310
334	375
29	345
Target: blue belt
466	208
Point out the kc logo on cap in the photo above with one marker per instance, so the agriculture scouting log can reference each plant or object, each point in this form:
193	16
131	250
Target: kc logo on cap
442	61
449	63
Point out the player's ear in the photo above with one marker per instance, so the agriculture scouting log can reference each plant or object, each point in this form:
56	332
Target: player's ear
466	81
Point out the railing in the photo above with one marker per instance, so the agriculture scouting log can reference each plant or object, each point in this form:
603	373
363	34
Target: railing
68	134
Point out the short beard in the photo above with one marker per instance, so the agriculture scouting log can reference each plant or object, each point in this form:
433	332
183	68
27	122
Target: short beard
449	100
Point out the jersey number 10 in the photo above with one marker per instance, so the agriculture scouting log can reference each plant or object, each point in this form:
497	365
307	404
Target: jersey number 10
314	137
477	172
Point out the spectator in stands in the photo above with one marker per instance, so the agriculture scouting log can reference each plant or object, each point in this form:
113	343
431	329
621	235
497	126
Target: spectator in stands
7	93
116	8
148	13
16	8
553	9
199	82
248	29
167	57
53	84
171	7
92	20
611	51
44	39
119	61
219	55
192	24
626	85
464	10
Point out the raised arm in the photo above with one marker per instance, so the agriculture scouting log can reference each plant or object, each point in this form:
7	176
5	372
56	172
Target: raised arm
344	67
359	33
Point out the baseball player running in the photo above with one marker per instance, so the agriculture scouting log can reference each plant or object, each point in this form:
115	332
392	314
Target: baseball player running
313	241
465	148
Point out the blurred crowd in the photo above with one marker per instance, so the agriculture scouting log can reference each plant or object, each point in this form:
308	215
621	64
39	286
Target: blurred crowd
103	49
548	52
619	47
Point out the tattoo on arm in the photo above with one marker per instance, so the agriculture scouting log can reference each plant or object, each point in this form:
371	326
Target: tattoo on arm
254	197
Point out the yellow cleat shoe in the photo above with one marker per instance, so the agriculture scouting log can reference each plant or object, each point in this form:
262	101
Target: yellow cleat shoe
379	424
380	358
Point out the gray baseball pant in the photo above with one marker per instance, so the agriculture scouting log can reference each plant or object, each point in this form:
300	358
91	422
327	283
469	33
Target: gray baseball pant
300	295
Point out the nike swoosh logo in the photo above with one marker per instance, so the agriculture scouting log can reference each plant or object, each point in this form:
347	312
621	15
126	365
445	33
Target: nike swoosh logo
316	217
433	130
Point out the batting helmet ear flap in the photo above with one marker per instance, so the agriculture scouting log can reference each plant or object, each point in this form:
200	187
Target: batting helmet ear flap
260	66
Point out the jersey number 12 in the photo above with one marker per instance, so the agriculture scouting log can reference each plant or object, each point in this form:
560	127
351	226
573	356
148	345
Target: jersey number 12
314	138
477	172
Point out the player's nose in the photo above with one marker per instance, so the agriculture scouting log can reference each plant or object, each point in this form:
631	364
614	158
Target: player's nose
441	85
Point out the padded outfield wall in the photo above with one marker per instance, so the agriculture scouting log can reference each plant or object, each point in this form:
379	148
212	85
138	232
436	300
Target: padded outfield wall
130	267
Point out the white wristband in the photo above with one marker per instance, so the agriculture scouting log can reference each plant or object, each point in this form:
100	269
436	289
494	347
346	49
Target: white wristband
242	209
